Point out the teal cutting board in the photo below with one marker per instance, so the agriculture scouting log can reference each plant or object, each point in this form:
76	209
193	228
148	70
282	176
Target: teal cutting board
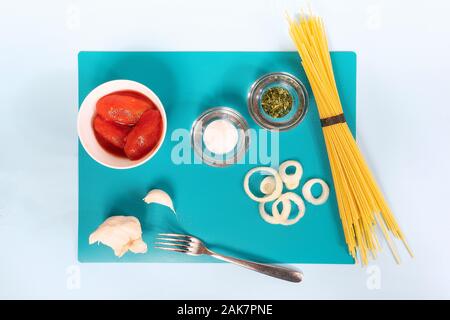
210	202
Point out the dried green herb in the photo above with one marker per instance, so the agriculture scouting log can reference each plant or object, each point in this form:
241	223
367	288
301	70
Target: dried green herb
277	102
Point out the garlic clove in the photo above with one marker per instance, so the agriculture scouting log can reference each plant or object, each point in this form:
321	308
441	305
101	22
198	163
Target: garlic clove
160	197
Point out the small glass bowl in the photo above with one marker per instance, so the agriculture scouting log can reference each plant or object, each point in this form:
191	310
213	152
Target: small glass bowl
220	113
296	89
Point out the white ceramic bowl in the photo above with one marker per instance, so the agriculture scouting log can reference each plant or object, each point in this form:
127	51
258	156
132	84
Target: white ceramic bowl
86	130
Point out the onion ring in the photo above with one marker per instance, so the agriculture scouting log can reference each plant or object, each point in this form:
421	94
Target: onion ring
306	191
294	198
278	185
291	181
267	185
276	217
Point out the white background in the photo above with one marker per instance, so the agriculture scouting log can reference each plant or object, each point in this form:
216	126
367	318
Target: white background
403	126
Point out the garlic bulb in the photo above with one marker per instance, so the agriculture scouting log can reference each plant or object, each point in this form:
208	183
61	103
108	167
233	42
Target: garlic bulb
121	233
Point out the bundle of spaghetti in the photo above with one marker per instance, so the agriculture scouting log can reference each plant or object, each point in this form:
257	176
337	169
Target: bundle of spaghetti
361	204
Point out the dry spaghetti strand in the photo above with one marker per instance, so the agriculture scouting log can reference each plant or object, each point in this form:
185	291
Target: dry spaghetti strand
361	204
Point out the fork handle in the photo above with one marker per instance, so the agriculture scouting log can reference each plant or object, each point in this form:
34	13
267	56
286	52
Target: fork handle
275	271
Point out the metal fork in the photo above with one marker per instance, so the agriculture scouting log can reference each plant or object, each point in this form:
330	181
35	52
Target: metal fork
194	247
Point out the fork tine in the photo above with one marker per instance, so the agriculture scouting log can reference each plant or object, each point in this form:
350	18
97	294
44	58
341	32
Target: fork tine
174	235
180	237
172	249
174	240
173	244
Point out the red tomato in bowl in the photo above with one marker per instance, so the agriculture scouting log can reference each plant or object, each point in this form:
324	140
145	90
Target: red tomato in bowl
110	133
144	137
125	107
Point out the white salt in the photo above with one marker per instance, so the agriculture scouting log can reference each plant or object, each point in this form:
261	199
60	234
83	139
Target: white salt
220	136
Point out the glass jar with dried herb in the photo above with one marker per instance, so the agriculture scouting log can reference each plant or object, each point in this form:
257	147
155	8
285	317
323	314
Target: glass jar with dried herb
277	102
